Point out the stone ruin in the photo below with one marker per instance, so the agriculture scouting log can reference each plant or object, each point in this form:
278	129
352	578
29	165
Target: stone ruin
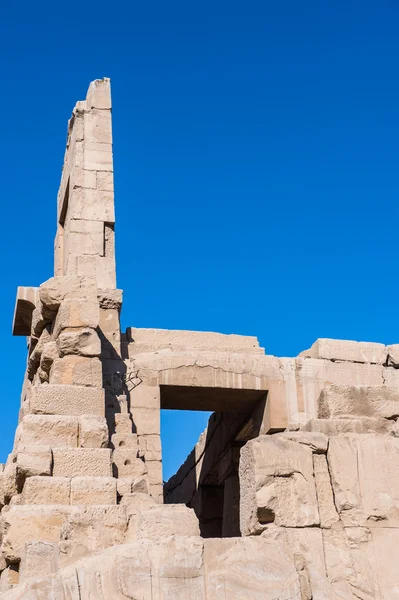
292	491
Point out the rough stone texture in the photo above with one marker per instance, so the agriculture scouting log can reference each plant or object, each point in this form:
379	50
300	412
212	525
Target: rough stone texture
93	432
300	456
81	462
345	350
49	430
66	400
47	490
76	370
82	341
277	485
93	490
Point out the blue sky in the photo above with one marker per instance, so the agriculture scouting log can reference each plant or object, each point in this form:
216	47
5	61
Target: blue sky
256	151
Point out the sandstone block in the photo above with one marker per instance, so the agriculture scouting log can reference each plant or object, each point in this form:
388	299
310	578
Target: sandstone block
70	462
324	492
251	567
160	521
24	524
49	430
345	350
362	401
84	342
48	356
317	442
47	490
39	559
80	535
154	468
393	355
53	291
147	421
93	432
124	440
67	400
77	370
363	475
95	205
34	460
126	463
105	271
10	481
121	423
109	298
277	485
85	243
76	313
105	181
99	94
130	485
97	126
354	425
150	447
145	396
93	490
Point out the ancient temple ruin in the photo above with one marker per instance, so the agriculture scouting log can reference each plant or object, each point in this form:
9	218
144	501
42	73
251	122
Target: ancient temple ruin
292	491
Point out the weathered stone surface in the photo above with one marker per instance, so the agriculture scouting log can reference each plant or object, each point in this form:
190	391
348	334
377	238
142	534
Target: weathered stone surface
82	341
93	490
253	568
53	291
23	524
34	460
317	442
338	401
77	370
160	521
346	350
77	313
47	490
9	578
39	560
363	474
277	485
67	400
48	356
325	497
126	463
331	427
93	432
49	430
83	462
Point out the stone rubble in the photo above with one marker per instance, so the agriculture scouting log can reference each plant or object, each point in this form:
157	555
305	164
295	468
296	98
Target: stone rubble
292	491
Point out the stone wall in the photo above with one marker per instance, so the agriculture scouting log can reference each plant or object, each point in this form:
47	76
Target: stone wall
291	493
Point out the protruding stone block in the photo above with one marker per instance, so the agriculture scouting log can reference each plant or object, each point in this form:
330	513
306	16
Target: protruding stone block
53	291
161	521
124	440
34	460
24	524
126	463
93	432
276	485
26	301
93	490
49	430
358	401
76	370
48	356
77	312
84	462
67	400
346	350
47	490
84	342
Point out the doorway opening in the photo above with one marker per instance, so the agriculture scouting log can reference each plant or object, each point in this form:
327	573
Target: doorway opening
208	480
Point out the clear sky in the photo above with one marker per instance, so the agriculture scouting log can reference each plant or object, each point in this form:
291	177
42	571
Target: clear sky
256	167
